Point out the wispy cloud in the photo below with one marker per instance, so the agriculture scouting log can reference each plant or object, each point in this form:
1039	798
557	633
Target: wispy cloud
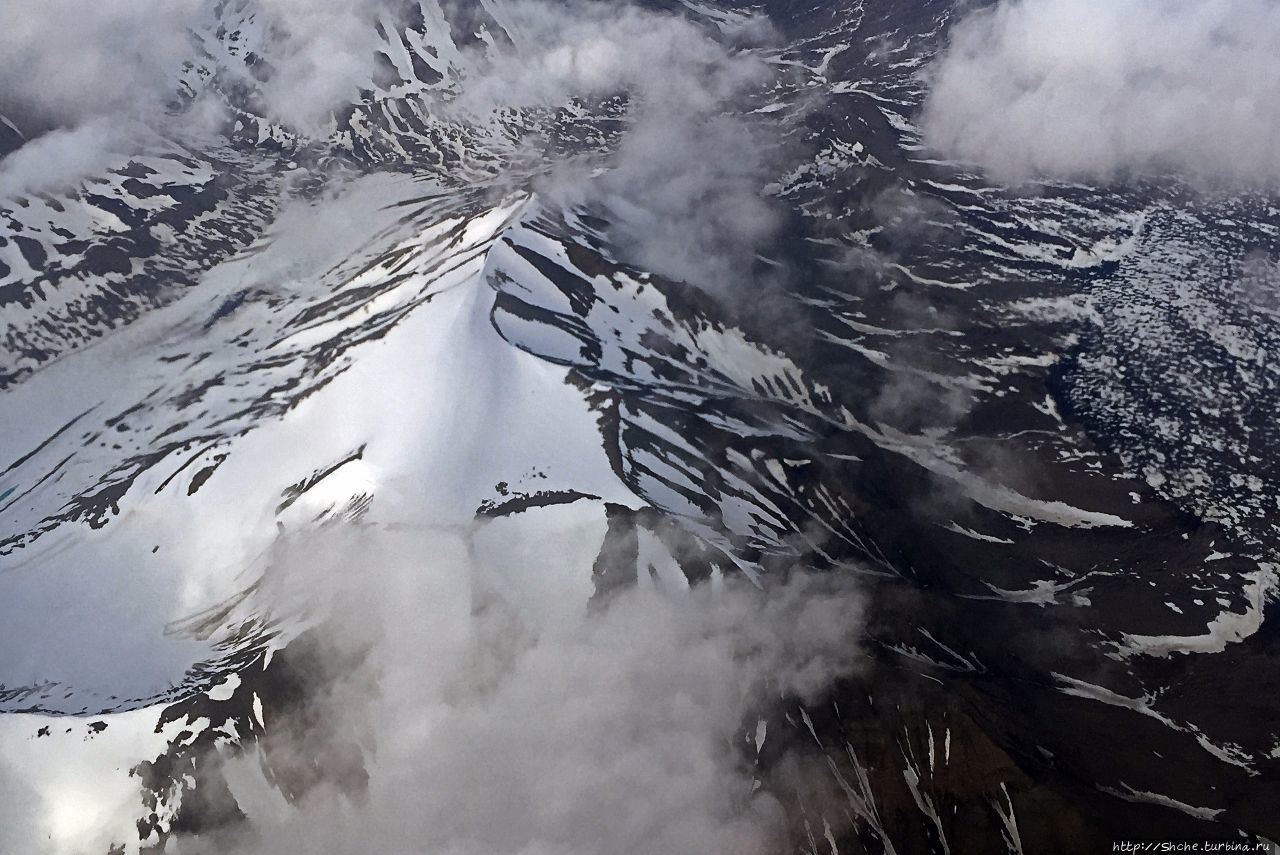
604	730
684	188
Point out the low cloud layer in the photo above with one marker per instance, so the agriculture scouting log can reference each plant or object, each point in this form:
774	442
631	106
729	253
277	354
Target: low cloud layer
82	83
64	62
593	50
63	157
583	731
1106	89
321	53
684	188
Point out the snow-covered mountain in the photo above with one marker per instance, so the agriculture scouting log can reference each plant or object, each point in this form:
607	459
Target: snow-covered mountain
1031	425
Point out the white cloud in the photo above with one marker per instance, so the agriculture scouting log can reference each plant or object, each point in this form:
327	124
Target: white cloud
1103	89
321	52
684	188
64	61
590	732
581	49
62	158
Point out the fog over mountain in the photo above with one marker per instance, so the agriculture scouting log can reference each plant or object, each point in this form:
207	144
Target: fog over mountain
515	427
